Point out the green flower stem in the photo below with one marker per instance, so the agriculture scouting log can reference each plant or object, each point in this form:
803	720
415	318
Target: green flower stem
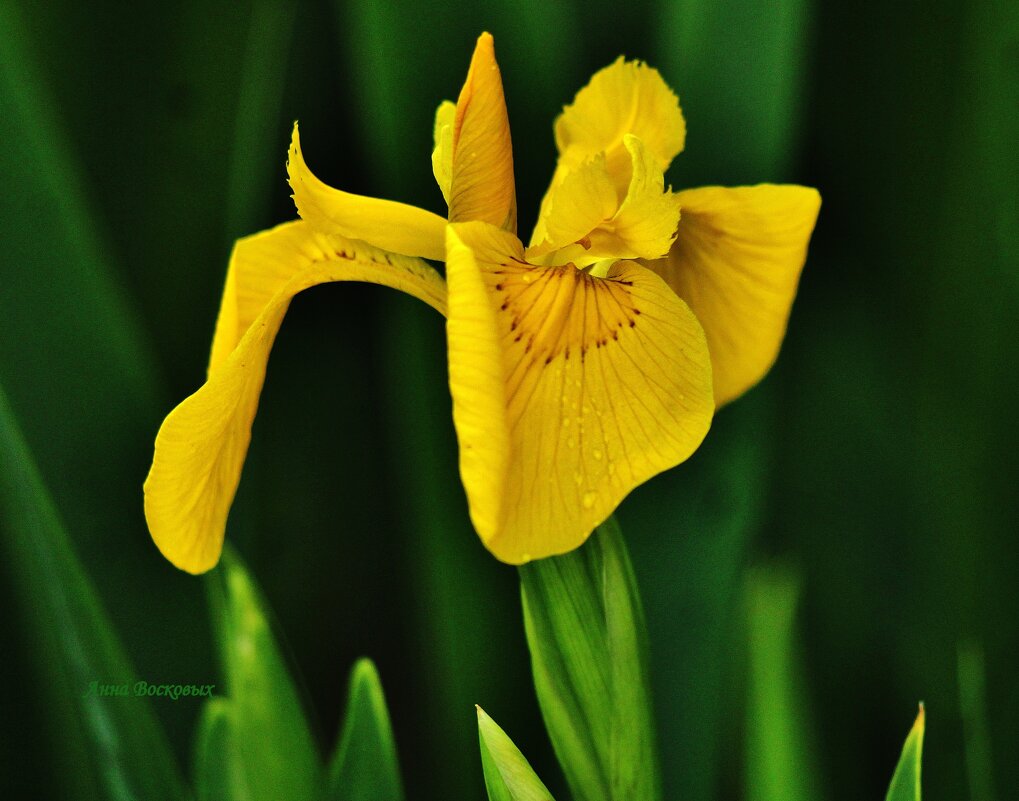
587	636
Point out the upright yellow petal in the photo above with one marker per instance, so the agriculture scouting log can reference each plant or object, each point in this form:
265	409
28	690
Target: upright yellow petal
584	209
647	219
442	154
201	445
584	199
601	384
385	224
737	261
627	97
481	182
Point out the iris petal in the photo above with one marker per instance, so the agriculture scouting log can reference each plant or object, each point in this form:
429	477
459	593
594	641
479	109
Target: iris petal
737	261
202	444
583	220
385	224
599	385
627	97
442	154
481	172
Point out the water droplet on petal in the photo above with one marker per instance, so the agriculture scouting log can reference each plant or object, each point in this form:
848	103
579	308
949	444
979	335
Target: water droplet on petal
589	499
597	455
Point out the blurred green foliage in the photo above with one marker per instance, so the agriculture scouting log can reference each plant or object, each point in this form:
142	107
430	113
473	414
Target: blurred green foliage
781	760
123	753
364	766
257	741
879	455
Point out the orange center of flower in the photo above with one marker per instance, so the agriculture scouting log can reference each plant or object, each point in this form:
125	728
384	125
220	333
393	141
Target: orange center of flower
560	311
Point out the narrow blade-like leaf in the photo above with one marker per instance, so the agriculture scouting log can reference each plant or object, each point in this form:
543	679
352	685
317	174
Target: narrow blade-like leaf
975	727
508	776
131	756
905	784
218	773
781	764
273	748
365	766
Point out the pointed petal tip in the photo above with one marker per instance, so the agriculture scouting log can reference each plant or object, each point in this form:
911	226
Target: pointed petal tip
386	224
484	53
481	175
485	45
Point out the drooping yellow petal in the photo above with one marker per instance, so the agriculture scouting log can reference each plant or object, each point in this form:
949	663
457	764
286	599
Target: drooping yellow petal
737	261
385	224
476	381
627	97
584	209
481	178
603	383
442	154
201	445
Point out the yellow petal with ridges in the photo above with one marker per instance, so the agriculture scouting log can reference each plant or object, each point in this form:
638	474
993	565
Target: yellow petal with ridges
201	446
442	154
647	219
627	97
584	199
481	180
583	208
386	224
476	381
737	261
604	382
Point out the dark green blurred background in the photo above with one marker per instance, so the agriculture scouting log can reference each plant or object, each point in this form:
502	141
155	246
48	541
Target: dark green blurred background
878	462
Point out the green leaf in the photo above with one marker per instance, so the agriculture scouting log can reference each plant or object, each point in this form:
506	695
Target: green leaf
905	784
218	774
72	342
365	766
975	728
780	763
269	740
129	749
585	627
508	776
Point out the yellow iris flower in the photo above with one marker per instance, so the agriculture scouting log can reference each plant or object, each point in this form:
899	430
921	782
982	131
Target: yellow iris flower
579	366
